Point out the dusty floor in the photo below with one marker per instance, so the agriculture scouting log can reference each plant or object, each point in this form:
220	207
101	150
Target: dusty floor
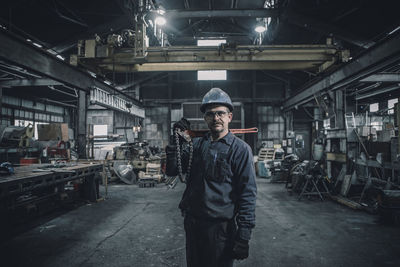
143	227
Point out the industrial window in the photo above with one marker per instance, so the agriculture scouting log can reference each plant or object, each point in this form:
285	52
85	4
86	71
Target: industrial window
22	123
271	119
391	103
374	107
36	134
211	75
327	123
210	42
100	130
25	123
192	112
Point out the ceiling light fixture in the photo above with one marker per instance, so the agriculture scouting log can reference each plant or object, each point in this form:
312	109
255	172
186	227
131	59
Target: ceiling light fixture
160	20
260	27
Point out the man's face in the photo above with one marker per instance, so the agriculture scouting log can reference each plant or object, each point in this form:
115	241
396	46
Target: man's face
218	118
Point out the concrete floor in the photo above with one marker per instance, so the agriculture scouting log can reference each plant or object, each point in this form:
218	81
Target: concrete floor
143	227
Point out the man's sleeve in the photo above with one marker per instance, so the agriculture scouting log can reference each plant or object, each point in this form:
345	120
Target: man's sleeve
172	162
247	191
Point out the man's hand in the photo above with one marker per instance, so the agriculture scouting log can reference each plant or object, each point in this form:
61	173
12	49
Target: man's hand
183	125
240	249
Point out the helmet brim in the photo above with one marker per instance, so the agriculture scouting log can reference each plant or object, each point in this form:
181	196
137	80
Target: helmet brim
203	107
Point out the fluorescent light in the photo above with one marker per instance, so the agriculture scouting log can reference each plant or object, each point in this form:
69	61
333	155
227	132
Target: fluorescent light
60	57
374	107
213	42
391	103
395	30
92	74
211	75
100	129
37	45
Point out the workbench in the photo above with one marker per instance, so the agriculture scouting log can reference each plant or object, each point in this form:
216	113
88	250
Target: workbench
39	176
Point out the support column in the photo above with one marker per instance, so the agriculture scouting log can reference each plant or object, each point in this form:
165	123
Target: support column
82	117
254	107
340	124
287	90
318	118
169	105
397	117
288	121
1	104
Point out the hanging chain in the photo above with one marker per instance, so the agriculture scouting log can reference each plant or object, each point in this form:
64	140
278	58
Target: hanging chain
179	157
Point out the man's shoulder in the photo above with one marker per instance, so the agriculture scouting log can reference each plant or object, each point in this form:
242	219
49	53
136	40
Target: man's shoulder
241	144
197	141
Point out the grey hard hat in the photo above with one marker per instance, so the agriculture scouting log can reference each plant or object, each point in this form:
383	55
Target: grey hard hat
216	96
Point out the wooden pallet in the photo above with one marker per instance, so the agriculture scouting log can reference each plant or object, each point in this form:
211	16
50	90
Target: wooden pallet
147	182
153	169
266	154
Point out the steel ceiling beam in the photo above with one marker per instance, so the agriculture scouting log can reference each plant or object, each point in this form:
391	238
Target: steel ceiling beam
382	77
365	89
23	54
189	66
326	29
121	22
370	62
29	82
184	58
222	13
379	91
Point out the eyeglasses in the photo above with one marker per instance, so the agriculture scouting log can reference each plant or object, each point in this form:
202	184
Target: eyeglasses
211	114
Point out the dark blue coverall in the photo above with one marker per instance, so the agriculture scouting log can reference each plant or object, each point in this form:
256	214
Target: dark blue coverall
219	199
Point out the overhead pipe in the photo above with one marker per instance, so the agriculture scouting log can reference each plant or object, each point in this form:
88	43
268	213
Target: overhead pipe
369	87
377	92
58	103
60	91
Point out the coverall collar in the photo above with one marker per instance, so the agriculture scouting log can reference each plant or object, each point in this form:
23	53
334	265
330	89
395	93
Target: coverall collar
227	139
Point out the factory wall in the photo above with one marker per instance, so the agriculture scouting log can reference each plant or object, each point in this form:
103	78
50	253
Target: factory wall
97	115
124	124
271	125
18	111
118	123
260	96
302	126
243	85
156	126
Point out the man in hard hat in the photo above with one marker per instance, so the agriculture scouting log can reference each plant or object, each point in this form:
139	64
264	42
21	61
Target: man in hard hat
219	200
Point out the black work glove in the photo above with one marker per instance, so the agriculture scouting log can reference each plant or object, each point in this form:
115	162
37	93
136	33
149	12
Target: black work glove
183	125
240	249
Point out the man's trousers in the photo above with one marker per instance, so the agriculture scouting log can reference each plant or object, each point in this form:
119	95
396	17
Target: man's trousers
209	242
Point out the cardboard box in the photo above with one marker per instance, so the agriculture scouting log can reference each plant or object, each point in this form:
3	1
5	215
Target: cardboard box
385	135
388	126
53	131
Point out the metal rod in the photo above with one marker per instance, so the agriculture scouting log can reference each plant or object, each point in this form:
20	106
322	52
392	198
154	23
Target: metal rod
59	103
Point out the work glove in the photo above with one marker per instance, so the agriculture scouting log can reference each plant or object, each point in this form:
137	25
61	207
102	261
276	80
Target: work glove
183	125
240	249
